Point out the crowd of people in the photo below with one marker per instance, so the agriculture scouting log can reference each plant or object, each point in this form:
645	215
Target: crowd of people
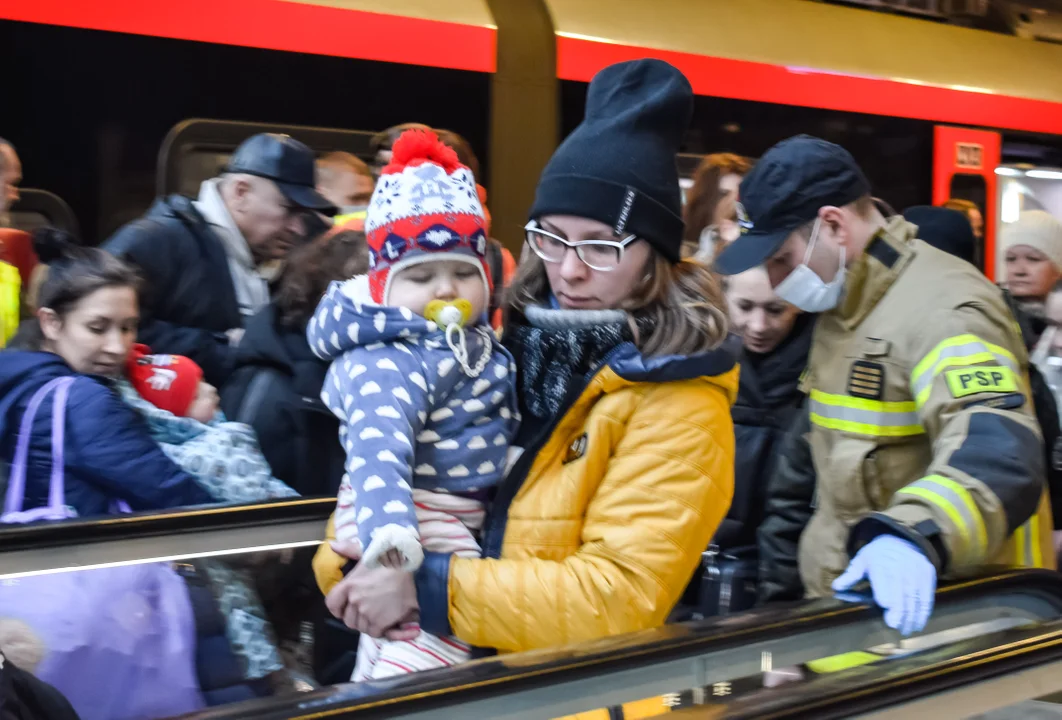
775	374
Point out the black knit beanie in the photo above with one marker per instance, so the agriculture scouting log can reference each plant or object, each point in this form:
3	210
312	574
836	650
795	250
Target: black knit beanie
618	166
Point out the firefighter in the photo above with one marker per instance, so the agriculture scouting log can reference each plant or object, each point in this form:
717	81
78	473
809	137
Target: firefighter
923	436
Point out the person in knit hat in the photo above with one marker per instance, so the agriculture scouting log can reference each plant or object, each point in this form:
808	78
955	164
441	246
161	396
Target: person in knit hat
626	374
1032	249
422	389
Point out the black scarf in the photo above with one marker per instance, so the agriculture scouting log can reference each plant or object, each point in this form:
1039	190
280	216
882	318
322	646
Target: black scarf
769	388
555	350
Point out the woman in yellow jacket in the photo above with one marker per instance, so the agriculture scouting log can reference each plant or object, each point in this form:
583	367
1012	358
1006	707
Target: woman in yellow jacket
626	377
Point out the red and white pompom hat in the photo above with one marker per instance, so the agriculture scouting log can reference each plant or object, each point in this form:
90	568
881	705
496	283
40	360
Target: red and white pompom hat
425	207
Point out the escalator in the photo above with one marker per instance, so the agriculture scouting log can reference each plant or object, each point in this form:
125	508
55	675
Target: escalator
998	638
705	664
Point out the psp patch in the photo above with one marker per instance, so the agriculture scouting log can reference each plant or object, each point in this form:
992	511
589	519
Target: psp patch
867	380
970	381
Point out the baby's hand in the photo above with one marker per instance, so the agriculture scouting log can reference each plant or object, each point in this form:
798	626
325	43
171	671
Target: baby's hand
392	559
395	547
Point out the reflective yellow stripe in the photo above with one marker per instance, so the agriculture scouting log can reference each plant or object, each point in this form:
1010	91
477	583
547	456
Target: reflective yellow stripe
1027	550
864	417
958	504
961	350
1034	541
861	403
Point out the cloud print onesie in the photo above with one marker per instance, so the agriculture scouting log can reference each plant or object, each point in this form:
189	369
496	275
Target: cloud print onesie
423	439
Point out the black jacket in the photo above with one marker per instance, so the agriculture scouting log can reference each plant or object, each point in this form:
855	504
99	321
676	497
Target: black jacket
276	388
1045	405
24	697
189	301
768	397
789	504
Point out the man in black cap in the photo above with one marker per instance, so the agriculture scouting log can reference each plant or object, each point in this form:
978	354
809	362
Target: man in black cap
928	457
205	262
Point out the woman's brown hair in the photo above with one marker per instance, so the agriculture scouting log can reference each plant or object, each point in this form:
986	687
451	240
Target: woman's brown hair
705	195
338	255
676	309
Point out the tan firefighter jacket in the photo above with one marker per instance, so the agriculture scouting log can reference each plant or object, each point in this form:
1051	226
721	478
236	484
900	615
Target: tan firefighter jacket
922	422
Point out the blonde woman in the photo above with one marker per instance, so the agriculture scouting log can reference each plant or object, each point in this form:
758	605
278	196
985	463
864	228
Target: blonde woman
625	378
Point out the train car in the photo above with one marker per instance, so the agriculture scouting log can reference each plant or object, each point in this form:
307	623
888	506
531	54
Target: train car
930	110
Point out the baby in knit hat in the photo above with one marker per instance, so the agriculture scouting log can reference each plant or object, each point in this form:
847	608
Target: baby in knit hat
173	383
424	391
181	411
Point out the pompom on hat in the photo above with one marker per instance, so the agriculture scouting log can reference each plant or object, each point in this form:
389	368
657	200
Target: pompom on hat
425	208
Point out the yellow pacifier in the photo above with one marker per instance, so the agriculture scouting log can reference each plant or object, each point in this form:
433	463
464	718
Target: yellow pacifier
446	313
452	316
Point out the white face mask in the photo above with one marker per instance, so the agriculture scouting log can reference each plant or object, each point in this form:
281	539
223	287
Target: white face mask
806	290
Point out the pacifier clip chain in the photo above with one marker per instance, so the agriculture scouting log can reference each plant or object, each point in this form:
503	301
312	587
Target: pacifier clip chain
460	349
454	316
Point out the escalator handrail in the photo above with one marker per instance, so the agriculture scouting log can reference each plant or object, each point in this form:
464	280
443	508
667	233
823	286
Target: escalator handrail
133	526
539	669
869	688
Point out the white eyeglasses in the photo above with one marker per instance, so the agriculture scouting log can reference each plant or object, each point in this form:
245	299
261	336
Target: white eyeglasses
603	255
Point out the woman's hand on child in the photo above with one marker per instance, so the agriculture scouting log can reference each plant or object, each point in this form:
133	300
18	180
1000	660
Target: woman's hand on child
376	602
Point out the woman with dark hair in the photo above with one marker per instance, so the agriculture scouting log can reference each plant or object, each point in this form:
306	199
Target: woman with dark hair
85	328
276	386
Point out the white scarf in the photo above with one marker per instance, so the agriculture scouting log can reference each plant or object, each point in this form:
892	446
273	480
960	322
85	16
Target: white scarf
252	290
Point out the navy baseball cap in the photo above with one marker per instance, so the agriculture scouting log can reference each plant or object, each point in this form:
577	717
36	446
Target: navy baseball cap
287	162
785	190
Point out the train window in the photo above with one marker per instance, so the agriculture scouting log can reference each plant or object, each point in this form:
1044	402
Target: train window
895	153
102	157
973	189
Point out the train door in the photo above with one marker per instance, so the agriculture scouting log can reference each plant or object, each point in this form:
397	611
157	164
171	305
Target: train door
964	169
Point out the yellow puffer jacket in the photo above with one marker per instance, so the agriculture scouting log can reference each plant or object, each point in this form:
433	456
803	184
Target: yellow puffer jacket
604	525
